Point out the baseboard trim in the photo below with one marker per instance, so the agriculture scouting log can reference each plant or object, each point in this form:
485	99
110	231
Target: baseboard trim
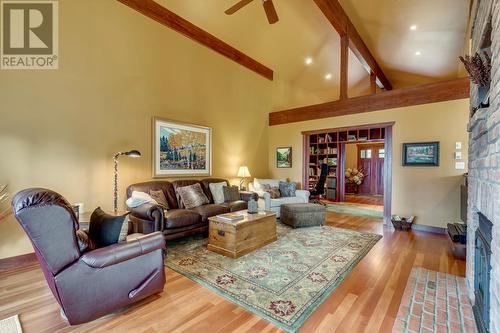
428	228
12	263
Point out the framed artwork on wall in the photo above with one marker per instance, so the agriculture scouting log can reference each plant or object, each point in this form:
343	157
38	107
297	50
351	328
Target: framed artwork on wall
284	157
181	150
421	154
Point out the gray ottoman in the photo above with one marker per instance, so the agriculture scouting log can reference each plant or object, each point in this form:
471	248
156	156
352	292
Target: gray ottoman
303	215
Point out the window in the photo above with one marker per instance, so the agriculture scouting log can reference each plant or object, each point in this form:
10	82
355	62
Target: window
366	153
381	153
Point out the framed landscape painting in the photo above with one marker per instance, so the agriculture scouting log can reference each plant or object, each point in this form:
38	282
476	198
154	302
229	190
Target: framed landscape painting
181	150
421	154
284	157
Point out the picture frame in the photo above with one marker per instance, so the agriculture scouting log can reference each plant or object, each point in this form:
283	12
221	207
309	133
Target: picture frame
421	154
181	149
283	157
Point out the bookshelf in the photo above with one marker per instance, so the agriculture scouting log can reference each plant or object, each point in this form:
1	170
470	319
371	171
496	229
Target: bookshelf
325	146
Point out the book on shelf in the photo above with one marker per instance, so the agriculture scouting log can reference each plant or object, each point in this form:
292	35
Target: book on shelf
231	217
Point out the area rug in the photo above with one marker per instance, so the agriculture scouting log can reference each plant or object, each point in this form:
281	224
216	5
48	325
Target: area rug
283	282
435	302
11	325
354	209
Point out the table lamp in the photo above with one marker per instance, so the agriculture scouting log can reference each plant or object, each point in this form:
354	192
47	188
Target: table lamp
132	153
243	173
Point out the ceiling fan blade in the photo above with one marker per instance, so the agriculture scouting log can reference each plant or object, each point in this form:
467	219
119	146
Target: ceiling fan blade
237	6
271	14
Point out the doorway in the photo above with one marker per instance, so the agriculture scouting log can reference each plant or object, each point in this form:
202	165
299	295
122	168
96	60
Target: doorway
364	175
328	146
371	160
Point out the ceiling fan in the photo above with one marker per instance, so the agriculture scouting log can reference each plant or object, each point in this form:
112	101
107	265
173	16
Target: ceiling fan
271	14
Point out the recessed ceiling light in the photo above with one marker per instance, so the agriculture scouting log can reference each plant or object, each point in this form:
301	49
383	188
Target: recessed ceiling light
309	60
413	27
418	53
328	76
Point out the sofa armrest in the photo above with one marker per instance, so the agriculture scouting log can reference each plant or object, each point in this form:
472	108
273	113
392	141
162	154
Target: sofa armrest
117	253
303	194
150	212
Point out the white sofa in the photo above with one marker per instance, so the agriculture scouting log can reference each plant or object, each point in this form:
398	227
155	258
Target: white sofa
266	203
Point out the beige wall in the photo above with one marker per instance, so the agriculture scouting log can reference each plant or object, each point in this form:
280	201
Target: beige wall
60	128
430	193
351	156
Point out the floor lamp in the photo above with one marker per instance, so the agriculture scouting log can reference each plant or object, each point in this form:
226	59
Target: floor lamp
132	153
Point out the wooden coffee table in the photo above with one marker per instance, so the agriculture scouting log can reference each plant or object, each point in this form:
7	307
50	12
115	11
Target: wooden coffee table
235	239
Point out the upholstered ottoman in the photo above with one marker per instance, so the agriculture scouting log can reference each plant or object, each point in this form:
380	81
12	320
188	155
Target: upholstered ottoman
303	214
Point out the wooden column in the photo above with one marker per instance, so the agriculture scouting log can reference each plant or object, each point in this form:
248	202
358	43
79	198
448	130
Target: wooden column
344	62
373	83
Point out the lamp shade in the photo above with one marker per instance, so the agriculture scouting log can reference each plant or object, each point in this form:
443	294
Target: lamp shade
133	153
243	172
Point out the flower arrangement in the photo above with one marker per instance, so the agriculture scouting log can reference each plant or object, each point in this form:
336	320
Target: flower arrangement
354	176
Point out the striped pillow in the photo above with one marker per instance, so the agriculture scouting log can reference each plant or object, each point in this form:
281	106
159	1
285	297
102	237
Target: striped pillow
192	196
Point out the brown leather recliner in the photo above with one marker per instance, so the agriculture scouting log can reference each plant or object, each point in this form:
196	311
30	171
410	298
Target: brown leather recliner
90	284
178	222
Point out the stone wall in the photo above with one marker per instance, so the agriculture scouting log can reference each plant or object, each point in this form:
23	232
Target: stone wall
484	158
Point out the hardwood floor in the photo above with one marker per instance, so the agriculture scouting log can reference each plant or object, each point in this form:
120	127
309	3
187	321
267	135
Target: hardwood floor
376	200
367	300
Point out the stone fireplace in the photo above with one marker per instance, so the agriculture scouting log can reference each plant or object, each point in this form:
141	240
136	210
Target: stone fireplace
483	211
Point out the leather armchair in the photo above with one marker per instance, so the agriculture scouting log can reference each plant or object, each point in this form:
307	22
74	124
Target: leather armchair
87	285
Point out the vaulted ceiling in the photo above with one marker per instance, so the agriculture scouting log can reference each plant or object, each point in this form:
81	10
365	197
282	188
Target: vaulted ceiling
303	31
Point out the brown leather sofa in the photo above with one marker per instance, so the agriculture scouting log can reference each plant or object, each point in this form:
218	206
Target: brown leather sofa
178	222
90	284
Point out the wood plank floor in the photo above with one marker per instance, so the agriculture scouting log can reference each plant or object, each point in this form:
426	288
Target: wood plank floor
367	300
376	200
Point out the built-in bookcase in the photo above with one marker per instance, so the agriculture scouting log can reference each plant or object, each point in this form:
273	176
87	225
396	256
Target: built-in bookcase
325	146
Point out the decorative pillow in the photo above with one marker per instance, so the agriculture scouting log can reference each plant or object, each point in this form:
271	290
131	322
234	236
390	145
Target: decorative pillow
192	196
105	229
231	193
217	192
287	189
258	184
273	191
139	198
160	198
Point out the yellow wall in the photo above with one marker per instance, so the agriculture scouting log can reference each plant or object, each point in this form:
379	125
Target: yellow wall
351	156
60	128
430	193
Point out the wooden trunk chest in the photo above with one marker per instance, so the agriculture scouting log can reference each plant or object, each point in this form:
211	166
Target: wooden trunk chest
235	239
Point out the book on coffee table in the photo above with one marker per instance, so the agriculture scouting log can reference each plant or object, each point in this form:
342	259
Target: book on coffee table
231	216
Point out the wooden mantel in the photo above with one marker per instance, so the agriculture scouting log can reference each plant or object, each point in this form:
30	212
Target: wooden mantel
424	94
157	12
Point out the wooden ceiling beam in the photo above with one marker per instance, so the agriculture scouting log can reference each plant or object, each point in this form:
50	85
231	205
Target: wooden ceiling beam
334	12
424	94
344	64
173	21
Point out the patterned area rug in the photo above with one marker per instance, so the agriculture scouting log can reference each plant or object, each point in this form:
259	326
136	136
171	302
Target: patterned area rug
283	282
435	302
354	209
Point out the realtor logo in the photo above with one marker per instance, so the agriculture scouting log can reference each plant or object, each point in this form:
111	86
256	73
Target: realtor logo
29	34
